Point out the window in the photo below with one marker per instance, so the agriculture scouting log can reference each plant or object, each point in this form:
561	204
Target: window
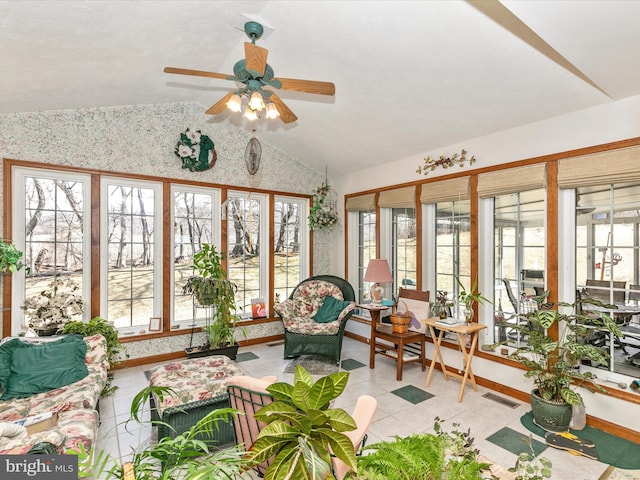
403	248
453	247
51	226
245	230
366	250
519	256
131	272
290	262
195	221
607	264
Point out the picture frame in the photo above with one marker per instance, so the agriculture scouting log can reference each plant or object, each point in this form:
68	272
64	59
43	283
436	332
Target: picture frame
258	308
155	324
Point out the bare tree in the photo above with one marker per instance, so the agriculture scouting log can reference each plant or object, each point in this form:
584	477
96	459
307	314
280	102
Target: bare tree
146	232
286	213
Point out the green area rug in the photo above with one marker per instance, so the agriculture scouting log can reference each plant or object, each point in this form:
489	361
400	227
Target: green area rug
516	442
612	450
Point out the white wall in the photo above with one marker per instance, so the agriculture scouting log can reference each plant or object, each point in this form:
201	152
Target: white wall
611	122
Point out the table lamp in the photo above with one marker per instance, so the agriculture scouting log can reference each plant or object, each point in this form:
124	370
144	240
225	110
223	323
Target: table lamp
378	272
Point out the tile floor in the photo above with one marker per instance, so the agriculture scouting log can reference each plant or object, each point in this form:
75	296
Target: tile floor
404	407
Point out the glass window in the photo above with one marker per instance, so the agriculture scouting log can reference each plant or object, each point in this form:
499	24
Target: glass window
195	221
366	250
519	256
403	248
51	227
607	264
453	247
245	229
132	273
289	249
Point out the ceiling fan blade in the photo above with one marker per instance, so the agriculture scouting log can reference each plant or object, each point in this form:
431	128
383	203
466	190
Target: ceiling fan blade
198	73
286	115
255	59
308	86
220	105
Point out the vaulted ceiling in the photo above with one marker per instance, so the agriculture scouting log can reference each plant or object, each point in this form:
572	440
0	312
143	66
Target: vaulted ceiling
410	76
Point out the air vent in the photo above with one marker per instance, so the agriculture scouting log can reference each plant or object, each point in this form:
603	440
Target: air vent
275	344
502	400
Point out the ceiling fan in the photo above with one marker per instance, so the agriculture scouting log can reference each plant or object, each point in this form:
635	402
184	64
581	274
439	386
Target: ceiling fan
255	73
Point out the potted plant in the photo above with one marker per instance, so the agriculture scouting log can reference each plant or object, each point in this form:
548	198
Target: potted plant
553	364
114	347
469	299
10	258
301	429
211	287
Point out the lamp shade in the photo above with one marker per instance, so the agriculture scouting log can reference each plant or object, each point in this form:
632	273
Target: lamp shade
378	271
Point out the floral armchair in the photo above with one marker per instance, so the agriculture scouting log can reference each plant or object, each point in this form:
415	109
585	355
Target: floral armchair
306	335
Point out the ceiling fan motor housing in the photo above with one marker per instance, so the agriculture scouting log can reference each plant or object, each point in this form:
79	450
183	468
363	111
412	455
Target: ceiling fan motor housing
253	30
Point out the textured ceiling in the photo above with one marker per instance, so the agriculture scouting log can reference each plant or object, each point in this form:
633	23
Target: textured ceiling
410	76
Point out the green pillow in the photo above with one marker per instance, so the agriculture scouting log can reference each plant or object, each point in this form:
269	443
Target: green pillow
30	368
330	309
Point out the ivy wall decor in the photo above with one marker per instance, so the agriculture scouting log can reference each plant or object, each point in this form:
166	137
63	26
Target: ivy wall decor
445	162
324	211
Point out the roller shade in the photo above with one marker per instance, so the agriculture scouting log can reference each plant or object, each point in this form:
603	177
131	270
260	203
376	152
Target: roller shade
398	198
445	191
361	202
512	180
614	166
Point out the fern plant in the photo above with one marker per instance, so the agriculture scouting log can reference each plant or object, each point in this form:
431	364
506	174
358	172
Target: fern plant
440	455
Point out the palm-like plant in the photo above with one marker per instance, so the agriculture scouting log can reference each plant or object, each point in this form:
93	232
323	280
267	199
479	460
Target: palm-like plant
302	430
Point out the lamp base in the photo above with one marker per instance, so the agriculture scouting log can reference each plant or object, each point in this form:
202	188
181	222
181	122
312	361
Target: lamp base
377	293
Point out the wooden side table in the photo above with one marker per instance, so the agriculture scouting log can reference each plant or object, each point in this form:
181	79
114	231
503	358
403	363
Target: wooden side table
461	330
397	341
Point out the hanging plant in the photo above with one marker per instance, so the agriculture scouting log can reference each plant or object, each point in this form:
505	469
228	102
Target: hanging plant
323	211
196	151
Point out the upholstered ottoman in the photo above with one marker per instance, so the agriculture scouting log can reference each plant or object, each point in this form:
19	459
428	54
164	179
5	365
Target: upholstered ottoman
199	386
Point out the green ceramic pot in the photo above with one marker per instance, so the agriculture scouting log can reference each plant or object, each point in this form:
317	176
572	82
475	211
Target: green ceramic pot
551	416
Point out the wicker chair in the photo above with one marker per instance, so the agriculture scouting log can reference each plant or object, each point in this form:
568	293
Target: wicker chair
302	334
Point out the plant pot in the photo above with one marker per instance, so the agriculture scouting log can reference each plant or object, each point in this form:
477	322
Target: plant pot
47	331
400	322
230	351
550	416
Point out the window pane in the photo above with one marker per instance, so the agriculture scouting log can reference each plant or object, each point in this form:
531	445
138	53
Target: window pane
453	246
54	226
131	255
243	232
192	226
607	259
519	239
403	248
366	251
286	234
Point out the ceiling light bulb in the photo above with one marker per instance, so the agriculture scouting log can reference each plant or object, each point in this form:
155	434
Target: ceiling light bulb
250	114
272	111
256	102
235	103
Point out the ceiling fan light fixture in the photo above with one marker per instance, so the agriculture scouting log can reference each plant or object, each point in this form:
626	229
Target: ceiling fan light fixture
235	103
250	114
272	111
256	102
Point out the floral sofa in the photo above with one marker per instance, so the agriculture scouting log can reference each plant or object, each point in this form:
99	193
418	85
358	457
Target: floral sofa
305	333
76	405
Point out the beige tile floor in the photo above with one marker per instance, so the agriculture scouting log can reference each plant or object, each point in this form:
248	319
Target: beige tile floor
395	416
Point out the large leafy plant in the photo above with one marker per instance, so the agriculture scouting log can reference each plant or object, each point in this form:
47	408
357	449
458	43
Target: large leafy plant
552	363
302	430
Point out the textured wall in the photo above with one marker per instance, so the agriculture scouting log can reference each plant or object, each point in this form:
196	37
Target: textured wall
140	140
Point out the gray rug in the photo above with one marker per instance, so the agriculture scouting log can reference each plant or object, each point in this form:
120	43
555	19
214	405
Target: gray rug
315	365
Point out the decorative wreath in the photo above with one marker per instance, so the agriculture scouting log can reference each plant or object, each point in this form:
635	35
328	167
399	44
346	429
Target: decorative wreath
196	151
323	214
